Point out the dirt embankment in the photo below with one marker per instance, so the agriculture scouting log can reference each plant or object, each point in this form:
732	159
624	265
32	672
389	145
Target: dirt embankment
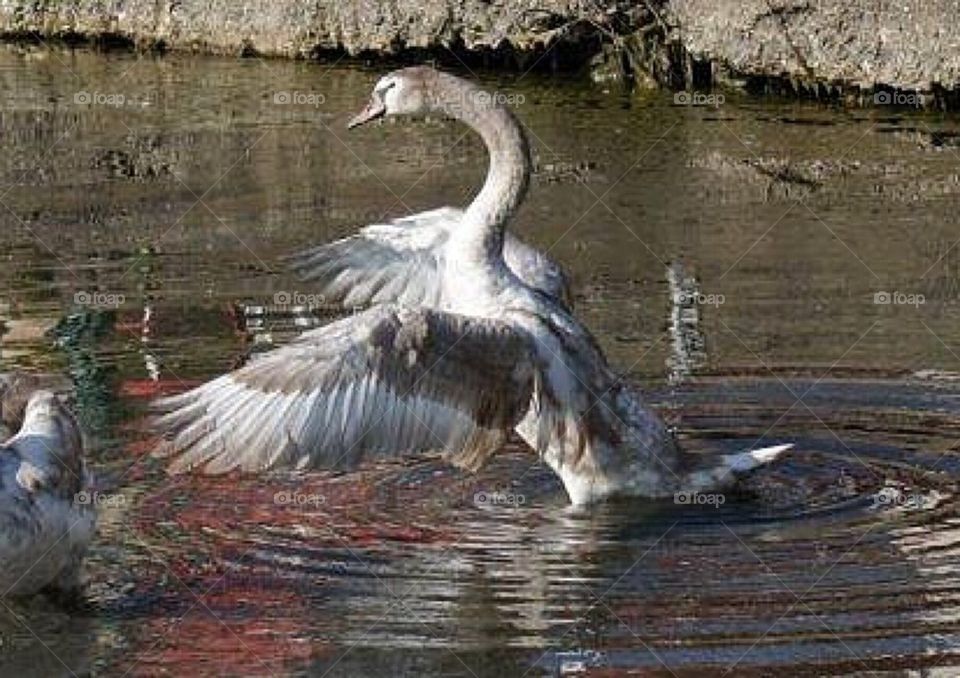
827	48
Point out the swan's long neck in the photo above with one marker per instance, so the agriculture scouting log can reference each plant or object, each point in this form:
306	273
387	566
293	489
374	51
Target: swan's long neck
480	236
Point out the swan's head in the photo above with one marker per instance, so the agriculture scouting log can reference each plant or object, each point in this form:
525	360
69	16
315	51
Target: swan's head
402	92
42	404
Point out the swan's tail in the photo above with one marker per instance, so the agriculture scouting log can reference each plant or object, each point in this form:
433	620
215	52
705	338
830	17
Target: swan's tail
731	467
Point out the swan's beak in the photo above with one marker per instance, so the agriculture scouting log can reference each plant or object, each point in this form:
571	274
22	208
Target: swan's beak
373	110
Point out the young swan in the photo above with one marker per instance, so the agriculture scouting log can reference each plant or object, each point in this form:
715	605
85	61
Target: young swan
455	369
46	522
415	90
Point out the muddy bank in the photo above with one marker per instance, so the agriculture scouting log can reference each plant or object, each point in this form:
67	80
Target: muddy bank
829	48
305	28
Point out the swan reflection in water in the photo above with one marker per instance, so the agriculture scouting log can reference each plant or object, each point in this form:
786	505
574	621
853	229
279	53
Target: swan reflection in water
408	567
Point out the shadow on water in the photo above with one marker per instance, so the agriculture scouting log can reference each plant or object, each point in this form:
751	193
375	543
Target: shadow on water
732	266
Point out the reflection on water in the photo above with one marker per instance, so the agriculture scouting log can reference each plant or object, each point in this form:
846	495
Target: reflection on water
769	271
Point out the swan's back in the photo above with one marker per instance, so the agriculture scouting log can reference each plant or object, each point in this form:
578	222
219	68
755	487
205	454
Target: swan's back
399	262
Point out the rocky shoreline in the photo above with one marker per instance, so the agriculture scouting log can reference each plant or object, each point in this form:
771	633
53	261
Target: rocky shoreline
907	55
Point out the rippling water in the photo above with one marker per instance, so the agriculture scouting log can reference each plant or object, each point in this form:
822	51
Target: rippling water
737	261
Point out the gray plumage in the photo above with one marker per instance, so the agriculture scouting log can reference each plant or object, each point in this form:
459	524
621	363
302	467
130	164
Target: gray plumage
46	521
402	261
468	337
385	382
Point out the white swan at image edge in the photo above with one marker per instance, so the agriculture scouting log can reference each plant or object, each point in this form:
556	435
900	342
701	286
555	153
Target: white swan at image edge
46	523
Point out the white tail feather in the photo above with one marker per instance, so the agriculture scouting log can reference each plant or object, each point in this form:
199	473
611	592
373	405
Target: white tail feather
732	465
746	461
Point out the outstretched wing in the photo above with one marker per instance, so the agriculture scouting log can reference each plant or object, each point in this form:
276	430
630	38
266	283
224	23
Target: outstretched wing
400	262
379	384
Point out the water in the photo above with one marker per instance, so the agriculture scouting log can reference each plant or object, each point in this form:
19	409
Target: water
728	259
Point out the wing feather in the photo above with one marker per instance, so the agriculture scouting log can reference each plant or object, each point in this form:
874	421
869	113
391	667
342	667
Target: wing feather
385	382
400	262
